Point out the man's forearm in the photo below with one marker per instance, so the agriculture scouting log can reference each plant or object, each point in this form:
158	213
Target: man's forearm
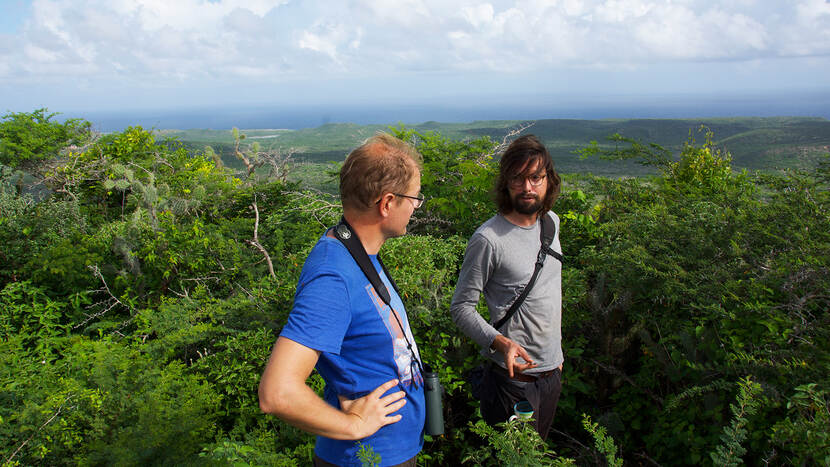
473	325
301	407
474	274
284	393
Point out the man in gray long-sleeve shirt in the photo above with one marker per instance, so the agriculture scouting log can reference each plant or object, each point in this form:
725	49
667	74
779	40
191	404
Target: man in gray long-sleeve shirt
525	354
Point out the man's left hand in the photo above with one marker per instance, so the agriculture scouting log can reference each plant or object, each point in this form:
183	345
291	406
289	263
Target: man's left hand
511	352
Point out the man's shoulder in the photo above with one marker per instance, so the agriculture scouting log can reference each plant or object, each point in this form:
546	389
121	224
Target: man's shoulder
498	229
492	225
329	256
498	225
552	215
327	247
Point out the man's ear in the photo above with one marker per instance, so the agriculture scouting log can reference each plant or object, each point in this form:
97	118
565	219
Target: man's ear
385	204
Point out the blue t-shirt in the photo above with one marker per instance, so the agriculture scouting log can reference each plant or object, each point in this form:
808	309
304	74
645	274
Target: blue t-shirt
337	311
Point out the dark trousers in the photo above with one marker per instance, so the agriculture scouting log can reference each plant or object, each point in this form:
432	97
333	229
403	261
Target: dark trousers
500	394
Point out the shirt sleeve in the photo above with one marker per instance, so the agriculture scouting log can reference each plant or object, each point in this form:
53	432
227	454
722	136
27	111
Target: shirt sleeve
476	269
320	316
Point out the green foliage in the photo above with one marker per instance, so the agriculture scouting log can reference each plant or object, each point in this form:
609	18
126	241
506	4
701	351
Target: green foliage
730	452
688	274
234	368
770	143
243	454
578	215
29	137
602	442
367	456
425	269
102	401
706	166
28	228
137	312
130	171
803	434
702	168
514	442
31	315
457	179
650	154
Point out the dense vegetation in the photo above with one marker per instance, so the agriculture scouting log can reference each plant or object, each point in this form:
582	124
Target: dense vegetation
772	143
142	285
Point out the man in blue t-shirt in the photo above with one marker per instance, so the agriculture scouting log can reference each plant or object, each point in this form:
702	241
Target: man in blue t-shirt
362	347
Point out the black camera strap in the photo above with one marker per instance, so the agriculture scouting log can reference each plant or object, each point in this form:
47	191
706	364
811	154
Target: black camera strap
546	235
348	237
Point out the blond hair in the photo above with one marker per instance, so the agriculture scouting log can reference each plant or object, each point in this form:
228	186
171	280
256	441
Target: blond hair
382	164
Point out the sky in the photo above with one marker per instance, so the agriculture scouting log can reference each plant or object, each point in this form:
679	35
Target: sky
146	55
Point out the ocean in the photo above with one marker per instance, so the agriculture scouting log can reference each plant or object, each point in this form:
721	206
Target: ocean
613	107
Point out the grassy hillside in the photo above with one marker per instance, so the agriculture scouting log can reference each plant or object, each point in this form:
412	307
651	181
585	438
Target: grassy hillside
755	143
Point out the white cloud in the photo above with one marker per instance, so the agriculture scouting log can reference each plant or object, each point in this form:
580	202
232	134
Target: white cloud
326	39
809	31
39	54
406	13
814	9
621	11
138	41
478	15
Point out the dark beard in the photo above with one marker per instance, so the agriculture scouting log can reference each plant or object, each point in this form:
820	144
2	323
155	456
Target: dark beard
523	207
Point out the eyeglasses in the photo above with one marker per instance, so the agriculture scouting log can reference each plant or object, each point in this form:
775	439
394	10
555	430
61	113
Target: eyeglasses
519	180
419	200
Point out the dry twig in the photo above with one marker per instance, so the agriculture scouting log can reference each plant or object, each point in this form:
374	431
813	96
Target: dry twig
108	304
513	133
24	443
255	242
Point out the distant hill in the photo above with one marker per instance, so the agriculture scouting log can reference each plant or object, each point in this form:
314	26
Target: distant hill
769	143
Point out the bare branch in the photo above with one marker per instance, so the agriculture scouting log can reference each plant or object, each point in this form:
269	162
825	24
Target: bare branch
108	304
24	443
280	163
253	159
247	292
571	438
417	220
511	134
255	242
315	203
250	165
200	279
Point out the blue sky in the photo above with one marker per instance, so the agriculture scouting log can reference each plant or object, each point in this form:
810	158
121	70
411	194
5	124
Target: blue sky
125	55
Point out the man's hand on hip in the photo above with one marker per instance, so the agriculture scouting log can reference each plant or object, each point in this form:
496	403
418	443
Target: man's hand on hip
371	412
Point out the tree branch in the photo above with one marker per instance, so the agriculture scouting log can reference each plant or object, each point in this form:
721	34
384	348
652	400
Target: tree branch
110	302
505	141
24	443
255	242
325	212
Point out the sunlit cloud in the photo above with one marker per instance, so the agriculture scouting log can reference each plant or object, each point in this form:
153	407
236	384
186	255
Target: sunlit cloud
267	42
144	36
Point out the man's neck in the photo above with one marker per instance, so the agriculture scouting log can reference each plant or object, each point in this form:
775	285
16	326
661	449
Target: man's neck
521	220
368	232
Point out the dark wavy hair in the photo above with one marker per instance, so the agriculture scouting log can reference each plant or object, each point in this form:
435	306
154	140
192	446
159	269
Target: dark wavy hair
522	153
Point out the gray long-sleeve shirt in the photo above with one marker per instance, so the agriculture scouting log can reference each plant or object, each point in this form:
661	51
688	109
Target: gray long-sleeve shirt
499	262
